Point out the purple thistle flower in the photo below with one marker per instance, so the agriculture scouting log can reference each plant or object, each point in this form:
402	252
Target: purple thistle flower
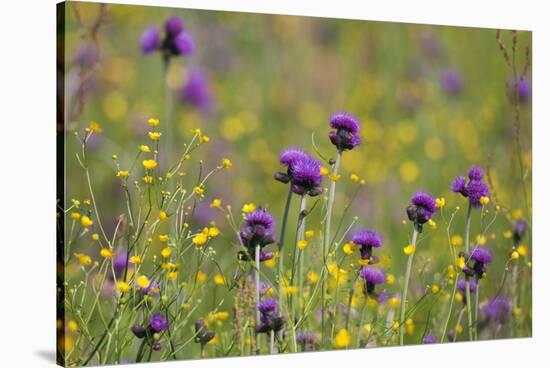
138	331
461	285
421	209
158	323
290	156
184	43
451	81
306	177
269	316
523	90
173	25
459	185
345	135
429	339
266	256
150	40
196	91
475	173
367	239
373	276
481	255
382	297
258	229
498	309
519	230
306	339
474	189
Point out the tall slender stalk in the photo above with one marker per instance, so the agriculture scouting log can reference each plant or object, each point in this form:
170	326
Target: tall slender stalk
403	307
280	270
476	305
168	110
271	342
467	248
326	241
257	282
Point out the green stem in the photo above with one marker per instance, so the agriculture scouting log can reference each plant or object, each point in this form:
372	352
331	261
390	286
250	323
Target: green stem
476	305
406	289
326	240
257	281
280	271
467	248
168	106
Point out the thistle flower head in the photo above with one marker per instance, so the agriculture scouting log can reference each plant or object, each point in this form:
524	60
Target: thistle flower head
474	188
184	43
258	229
345	135
270	321
461	285
158	323
421	209
173	25
481	255
373	276
451	81
306	177
519	230
150	40
475	173
290	156
497	309
306	339
196	91
429	339
366	240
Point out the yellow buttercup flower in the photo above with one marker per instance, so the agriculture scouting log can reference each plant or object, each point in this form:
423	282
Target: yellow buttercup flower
459	328
484	200
106	253
435	289
75	215
83	259
122	286
213	232
507	234
349	247
135	260
354	178
323	171
153	122
154	136
432	224
149	164
219	280
163	216
226	163
205	139
440	202
249	207
86	221
163	238
309	234
514	256
144	148
522	250
199	190
166	252
221	316
172	275
335	177
458	298
201	276
143	281
72	326
200	239
456	240
409	249
87	202
302	244
409	327
481	239
147	179
342	339
312	277
390	279
123	174
95	127
395	326
216	203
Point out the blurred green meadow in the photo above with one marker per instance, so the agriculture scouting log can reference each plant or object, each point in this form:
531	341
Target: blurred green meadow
432	101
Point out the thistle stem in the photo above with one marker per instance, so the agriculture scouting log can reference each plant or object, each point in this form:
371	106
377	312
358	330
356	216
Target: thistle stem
326	240
476	305
257	281
168	109
272	342
280	271
403	307
467	249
